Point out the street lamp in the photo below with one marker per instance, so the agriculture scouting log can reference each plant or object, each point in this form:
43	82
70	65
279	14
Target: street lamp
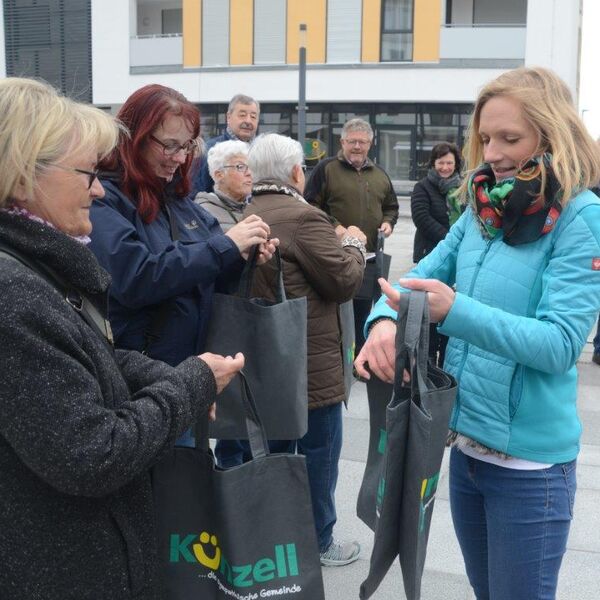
302	86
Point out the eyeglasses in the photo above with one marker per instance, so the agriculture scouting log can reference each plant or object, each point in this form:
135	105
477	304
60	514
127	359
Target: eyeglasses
360	143
92	175
240	167
173	148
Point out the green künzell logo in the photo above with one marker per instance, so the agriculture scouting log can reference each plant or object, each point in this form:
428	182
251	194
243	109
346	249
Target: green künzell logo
204	549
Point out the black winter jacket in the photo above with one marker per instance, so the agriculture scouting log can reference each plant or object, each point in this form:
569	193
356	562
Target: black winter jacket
430	216
80	428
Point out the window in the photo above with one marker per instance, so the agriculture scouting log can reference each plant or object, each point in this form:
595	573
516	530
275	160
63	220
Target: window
397	30
172	20
50	39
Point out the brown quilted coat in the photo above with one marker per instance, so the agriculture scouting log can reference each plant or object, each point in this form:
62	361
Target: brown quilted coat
316	266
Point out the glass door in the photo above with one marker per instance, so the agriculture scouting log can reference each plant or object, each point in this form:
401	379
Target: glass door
395	151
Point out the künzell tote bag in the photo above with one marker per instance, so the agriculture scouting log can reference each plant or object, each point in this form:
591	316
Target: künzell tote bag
405	453
241	533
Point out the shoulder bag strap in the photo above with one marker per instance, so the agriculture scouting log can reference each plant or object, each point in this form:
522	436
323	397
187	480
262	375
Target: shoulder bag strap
84	307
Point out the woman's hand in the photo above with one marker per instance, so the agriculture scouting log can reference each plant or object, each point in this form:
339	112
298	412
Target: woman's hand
223	367
249	232
440	296
266	251
357	233
379	351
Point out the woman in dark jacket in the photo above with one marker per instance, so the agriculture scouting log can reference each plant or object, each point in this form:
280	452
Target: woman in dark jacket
166	254
433	203
434	208
80	423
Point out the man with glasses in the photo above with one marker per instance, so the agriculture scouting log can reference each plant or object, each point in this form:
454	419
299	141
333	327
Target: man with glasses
242	123
353	190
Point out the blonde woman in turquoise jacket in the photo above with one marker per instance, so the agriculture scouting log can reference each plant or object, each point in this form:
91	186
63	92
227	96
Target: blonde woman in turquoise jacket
525	262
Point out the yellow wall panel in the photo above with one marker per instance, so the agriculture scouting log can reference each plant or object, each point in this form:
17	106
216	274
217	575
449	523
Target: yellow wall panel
371	30
241	32
426	39
314	14
192	28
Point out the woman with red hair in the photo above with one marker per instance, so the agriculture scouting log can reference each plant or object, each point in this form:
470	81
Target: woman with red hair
166	254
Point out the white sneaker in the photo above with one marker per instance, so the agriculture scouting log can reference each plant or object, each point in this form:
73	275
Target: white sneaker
340	553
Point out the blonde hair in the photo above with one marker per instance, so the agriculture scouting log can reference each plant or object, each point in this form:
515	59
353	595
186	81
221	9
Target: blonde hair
38	127
548	107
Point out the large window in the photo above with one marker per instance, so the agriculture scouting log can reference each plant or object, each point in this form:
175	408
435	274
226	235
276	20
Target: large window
50	39
397	30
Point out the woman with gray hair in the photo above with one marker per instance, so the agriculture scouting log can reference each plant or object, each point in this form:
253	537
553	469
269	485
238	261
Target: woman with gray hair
327	270
228	166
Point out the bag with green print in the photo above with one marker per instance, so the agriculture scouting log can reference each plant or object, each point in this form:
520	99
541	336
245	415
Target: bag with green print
408	430
244	533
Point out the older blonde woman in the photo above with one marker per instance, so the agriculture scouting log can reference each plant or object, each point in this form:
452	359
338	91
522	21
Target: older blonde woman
80	423
523	258
228	166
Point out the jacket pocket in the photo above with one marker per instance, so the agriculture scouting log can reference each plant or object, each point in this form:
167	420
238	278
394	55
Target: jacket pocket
133	551
516	389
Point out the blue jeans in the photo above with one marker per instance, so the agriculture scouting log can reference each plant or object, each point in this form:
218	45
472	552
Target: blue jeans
512	526
322	446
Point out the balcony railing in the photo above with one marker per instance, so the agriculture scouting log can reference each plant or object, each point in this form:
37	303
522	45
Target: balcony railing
481	41
156	50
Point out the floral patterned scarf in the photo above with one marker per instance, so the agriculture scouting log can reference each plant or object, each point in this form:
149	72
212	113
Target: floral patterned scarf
516	206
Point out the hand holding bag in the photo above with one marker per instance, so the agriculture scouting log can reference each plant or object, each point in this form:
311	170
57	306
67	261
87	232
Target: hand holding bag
246	532
374	269
406	448
272	337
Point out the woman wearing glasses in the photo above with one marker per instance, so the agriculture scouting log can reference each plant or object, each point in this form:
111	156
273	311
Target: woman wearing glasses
165	254
80	423
228	166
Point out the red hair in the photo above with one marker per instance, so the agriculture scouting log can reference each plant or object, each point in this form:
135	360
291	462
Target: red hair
142	113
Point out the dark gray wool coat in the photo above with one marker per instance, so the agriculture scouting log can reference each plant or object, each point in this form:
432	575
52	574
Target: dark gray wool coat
79	430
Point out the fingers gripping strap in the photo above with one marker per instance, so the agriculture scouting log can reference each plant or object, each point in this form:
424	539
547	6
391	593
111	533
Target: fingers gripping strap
247	277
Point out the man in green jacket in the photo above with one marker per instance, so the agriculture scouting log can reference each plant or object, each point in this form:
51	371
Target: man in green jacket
353	190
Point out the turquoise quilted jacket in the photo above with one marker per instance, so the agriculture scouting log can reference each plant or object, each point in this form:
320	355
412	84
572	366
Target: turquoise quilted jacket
521	317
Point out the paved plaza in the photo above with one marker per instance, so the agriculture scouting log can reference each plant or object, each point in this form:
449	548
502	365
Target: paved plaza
444	577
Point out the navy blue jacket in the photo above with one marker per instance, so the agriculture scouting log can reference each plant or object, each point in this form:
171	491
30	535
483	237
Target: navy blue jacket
147	268
202	181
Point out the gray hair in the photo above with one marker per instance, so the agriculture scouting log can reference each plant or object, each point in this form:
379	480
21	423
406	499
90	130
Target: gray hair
273	156
357	125
242	99
220	153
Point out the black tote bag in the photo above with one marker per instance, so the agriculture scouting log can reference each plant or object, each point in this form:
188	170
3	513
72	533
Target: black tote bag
272	336
246	532
375	268
405	453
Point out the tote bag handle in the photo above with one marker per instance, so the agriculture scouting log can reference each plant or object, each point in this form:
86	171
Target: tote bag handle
412	340
257	436
247	276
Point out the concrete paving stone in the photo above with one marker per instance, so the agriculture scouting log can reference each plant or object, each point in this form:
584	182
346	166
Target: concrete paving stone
587	398
586	523
591	427
579	576
588	477
589	374
343	583
355	445
589	455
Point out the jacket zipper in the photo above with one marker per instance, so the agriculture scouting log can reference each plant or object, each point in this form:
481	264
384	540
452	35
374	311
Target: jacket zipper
466	348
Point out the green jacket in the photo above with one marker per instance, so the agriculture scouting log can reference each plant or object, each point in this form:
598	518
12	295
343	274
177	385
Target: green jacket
364	198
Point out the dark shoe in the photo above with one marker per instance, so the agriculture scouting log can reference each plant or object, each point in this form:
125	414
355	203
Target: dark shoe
596	358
